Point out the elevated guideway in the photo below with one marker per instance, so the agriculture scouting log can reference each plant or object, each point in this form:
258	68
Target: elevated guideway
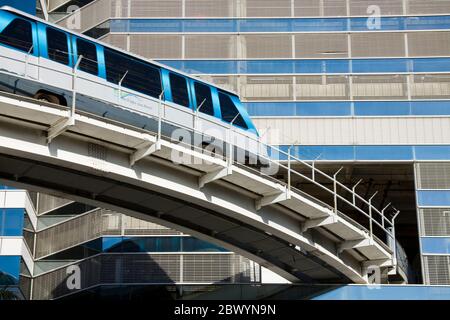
92	159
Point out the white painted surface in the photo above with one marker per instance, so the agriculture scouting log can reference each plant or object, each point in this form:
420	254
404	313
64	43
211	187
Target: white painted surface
359	131
268	276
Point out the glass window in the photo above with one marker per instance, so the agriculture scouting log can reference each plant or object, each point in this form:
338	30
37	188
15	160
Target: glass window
57	46
204	98
11	222
140	76
18	35
89	52
229	111
434	198
179	88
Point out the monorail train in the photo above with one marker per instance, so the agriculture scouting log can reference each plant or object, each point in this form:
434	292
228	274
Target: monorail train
38	59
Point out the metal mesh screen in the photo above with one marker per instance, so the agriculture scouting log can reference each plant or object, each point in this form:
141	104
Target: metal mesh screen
378	45
429	43
380	87
209	268
268	8
266	46
433	175
69	233
435	221
210	46
54	284
437	270
387	7
210	8
314	8
428	6
29	239
430	86
156	8
321	45
92	15
156	46
47	203
25	286
266	88
116	40
322	87
140	268
133	226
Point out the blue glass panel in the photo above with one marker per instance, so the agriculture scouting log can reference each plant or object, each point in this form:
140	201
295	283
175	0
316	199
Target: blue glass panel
430	107
427	23
383	108
212	25
266	66
11	222
433	198
324	109
432	152
435	245
9	270
387	292
324	152
112	244
431	64
379	65
6	188
271	108
386	23
266	25
195	245
298	108
311	24
383	153
279	25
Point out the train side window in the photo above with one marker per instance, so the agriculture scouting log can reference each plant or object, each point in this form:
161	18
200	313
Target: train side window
139	76
89	52
178	85
229	111
58	49
18	34
203	94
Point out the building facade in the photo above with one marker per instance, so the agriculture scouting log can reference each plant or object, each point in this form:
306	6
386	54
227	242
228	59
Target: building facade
353	83
358	84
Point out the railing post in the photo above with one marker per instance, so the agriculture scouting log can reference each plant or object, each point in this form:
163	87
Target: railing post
26	61
160	115
197	113
370	215
394	240
74	85
313	173
354	191
230	139
120	87
335	190
382	214
289	168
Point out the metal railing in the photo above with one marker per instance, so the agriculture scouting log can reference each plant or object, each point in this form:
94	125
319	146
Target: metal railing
265	153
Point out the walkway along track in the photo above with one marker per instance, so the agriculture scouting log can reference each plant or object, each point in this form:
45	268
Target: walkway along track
113	165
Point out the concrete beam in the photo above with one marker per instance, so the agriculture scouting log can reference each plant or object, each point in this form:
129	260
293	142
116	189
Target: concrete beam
143	152
213	176
314	223
271	199
59	127
353	244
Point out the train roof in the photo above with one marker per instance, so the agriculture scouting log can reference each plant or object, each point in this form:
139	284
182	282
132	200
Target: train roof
26	15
